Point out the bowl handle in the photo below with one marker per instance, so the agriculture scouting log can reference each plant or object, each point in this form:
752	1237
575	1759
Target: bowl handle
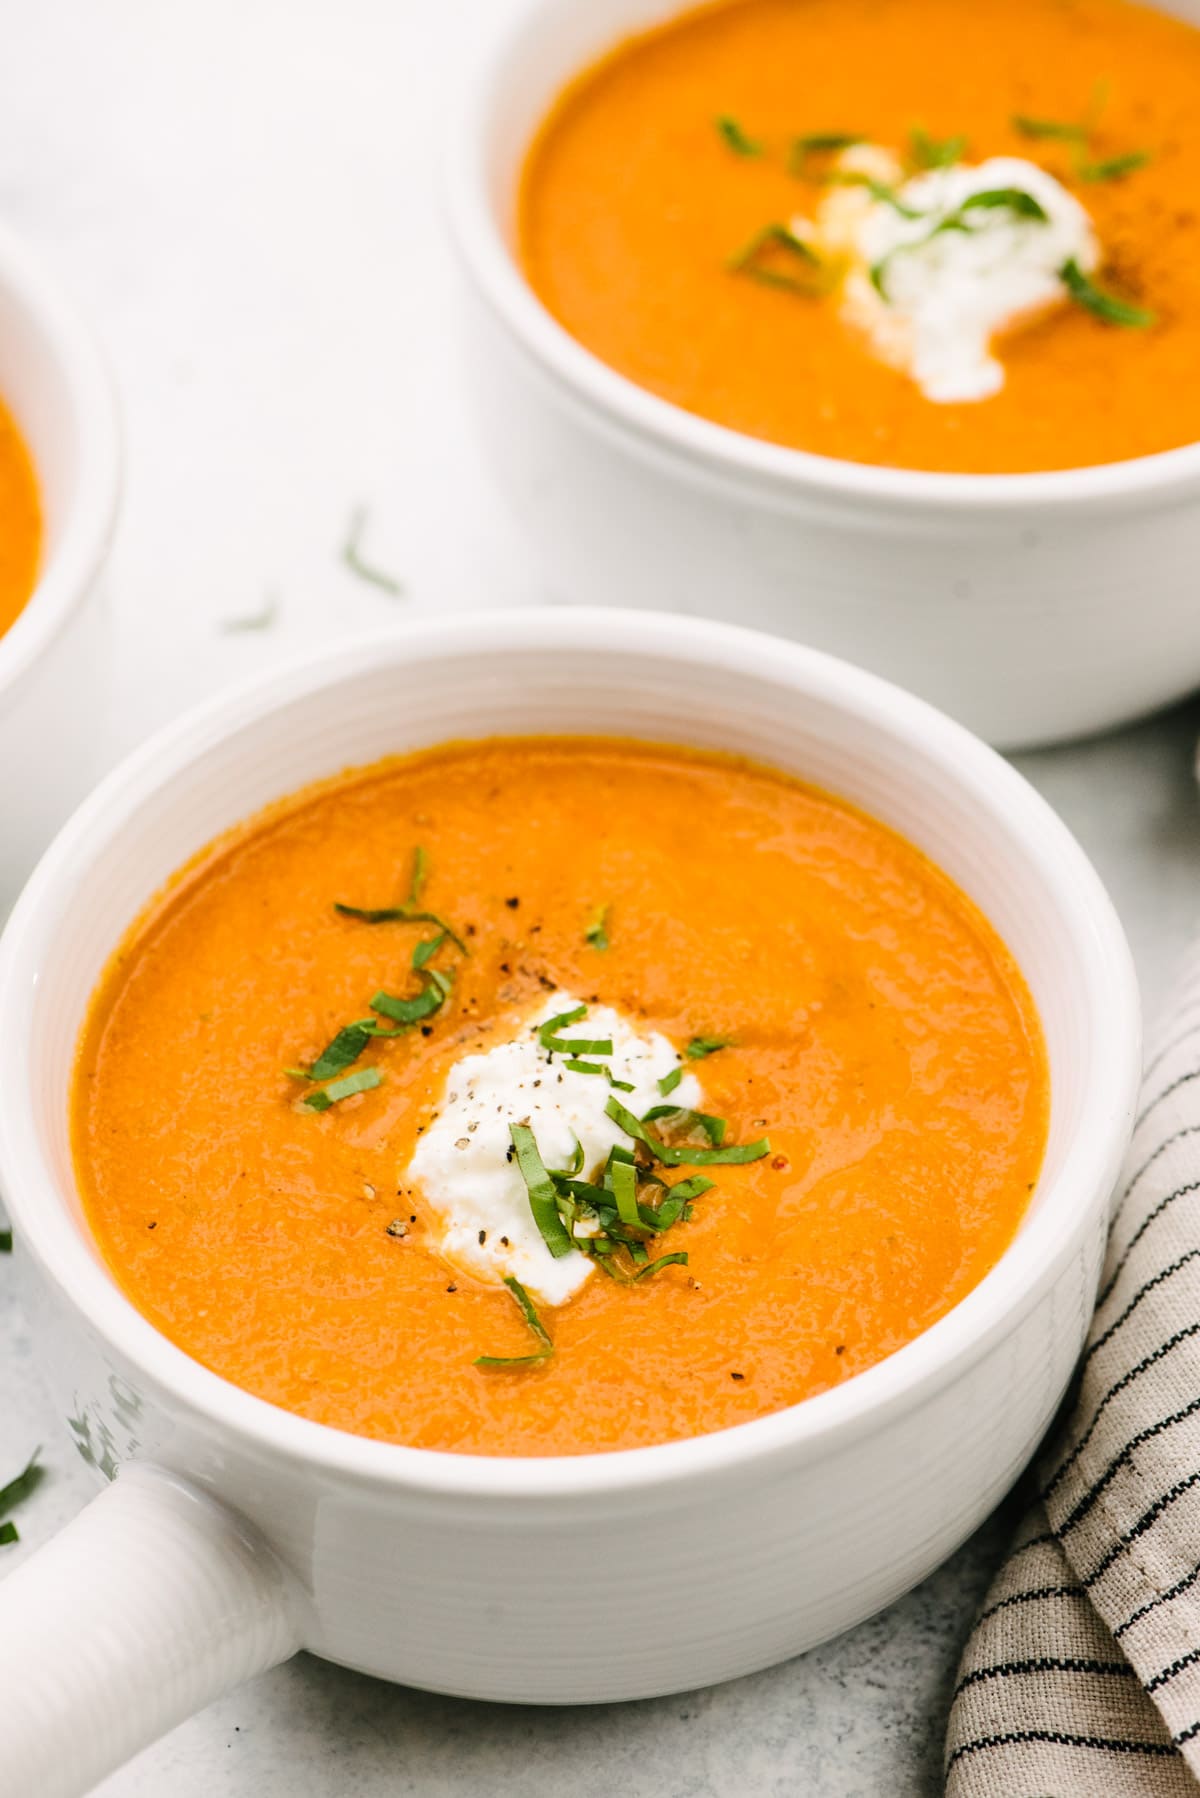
152	1602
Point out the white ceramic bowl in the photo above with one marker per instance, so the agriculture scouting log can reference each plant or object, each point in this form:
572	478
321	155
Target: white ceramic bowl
1030	607
477	1575
56	387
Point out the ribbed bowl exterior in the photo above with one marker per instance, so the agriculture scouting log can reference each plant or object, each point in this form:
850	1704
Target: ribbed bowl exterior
614	1576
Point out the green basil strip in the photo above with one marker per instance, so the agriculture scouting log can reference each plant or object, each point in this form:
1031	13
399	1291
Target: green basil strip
670	1081
686	1190
624	1188
683	1119
342	1052
576	1167
549	1028
774	236
678	1259
6	1242
1112	168
1104	306
577	1045
661	1217
818	143
411	1011
622	1086
584	1190
29	1478
426	949
9	1533
618	1153
583	1067
535	1324
543	1199
734	1154
1060	130
363	1081
734	138
934	153
597	931
638	1253
1014	199
700	1046
420	873
878	190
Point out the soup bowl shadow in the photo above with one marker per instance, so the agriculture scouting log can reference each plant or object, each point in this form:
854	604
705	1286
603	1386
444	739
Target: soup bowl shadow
1032	607
235	1532
54	382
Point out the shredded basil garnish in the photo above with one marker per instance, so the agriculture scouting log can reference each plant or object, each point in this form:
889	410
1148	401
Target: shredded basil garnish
934	153
818	143
427	948
748	260
364	1080
735	138
1010	199
678	1259
878	190
411	1011
353	559
543	1195
700	1046
6	1242
1058	130
342	1052
670	1081
672	1156
1104	306
535	1324
409	911
26	1481
597	931
1112	168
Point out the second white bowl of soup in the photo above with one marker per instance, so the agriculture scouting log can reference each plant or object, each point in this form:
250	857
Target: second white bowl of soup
903	361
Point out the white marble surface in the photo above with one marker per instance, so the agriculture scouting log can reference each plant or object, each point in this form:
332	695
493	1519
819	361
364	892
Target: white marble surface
242	193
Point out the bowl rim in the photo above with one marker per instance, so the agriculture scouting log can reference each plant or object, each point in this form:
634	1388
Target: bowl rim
700	444
83	537
1020	1280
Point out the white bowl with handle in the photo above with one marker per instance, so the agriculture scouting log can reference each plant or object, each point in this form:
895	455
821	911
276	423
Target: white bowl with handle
235	1532
55	385
1032	607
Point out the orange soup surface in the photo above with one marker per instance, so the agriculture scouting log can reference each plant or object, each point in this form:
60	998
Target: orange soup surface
660	166
20	523
854	1021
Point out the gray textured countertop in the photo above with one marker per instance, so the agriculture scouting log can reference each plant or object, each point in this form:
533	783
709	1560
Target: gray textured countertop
242	197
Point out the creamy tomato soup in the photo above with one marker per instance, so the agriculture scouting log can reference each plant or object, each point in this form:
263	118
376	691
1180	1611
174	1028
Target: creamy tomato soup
20	523
906	232
543	1096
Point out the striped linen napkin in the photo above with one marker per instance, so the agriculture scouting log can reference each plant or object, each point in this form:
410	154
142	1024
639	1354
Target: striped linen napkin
1081	1678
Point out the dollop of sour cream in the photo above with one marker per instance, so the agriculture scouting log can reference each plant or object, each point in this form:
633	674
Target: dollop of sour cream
462	1164
931	300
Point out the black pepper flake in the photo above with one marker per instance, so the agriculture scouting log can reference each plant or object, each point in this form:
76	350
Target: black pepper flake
509	1152
452	1289
426	1029
840	1349
153	1226
504	968
504	1242
512	903
737	1376
482	1237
